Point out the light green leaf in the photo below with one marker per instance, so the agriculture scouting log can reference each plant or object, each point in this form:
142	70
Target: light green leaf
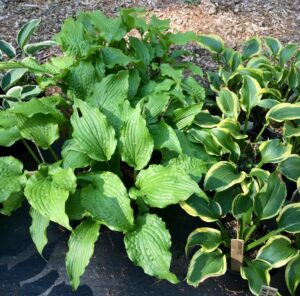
251	48
162	186
47	191
7	48
205	265
286	53
92	132
136	142
81	248
182	38
290	167
156	104
38	230
222	176
274	151
207	238
12	203
292	275
212	43
257	274
12	178
284	111
148	246
288	219
184	117
106	199
270	199
273	44
250	93
278	251
9	135
228	103
33	48
26	32
114	56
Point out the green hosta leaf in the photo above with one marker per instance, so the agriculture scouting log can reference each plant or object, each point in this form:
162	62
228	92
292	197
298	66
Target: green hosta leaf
175	74
260	175
157	103
106	199
278	251
163	136
284	111
273	44
194	89
12	203
81	248
47	193
274	151
205	265
92	132
293	77
26	32
250	93
74	209
228	103
267	103
292	275
12	178
114	56
205	119
182	38
242	207
136	141
207	238
162	186
33	48
225	199
288	219
222	176
212	43
9	135
148	246
233	127
223	138
200	206
290	167
38	229
251	48
257	274
286	53
73	157
184	117
270	199
193	166
12	77
7	48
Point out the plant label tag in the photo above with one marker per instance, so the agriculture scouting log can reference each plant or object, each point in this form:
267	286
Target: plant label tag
237	254
268	291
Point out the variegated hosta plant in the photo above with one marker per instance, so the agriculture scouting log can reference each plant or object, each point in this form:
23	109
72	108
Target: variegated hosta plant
122	102
251	125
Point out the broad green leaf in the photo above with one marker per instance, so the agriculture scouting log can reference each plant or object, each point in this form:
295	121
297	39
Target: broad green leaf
136	143
233	127
267	103
205	265
26	32
12	77
114	56
207	238
205	119
175	74
270	199
193	166
257	274
223	138
222	176
200	206
292	275
273	44
12	203
148	246
293	77
194	89
92	132
47	191
9	135
156	104
278	251
284	111
38	230
106	199
74	209
250	93
81	248
73	157
228	103
212	43
290	167
274	151
33	48
163	136
182	38
225	199
242	207
184	117
260	175
288	219
12	178
7	48
162	186
251	48
286	53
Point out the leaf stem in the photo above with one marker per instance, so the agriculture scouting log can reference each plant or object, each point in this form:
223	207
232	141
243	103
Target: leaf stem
262	239
30	151
53	153
261	131
40	153
224	231
250	230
